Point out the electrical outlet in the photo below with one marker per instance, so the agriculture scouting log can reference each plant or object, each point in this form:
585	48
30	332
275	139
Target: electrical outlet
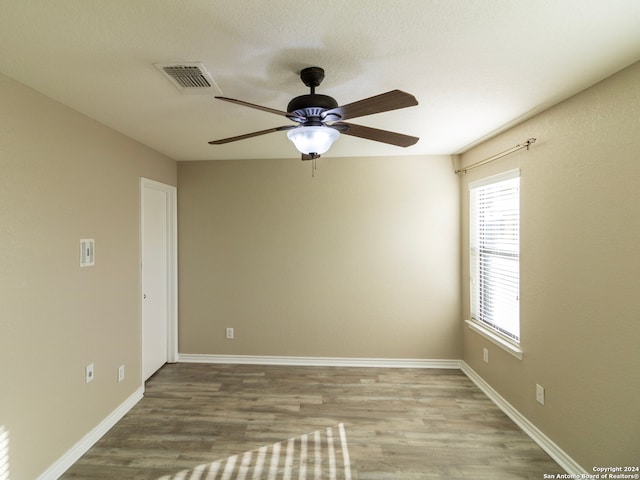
485	355
229	333
120	373
539	394
88	373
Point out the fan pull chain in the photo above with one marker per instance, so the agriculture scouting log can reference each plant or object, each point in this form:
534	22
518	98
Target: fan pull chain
313	168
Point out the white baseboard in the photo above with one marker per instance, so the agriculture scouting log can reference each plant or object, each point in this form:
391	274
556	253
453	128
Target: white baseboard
544	442
319	361
63	463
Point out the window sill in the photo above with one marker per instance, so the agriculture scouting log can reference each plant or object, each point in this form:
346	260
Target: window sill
497	339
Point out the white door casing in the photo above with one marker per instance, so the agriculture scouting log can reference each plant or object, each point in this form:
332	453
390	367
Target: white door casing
158	257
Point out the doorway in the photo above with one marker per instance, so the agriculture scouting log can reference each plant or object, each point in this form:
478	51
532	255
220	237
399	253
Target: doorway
158	259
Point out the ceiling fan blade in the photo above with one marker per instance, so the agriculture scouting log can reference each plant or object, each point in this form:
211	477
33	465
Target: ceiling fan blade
250	135
253	105
384	102
368	133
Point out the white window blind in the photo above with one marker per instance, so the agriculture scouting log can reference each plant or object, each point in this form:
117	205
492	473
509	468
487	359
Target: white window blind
495	253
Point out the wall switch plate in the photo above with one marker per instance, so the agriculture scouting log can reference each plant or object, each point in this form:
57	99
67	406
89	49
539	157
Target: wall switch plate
87	255
229	333
539	394
485	355
88	373
120	373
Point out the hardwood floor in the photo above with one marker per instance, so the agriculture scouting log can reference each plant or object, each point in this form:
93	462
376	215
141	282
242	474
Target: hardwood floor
400	424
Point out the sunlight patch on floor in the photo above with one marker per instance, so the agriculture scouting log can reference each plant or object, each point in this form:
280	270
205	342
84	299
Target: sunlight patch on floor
322	454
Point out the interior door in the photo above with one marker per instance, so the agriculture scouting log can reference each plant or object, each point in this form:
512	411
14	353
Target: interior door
155	278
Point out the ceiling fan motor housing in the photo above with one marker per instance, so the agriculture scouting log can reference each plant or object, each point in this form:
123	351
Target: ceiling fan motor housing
311	106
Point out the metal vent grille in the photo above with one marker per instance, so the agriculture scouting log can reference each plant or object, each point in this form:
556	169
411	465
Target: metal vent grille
190	78
187	76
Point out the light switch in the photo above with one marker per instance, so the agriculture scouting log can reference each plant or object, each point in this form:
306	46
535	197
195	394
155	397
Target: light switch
87	256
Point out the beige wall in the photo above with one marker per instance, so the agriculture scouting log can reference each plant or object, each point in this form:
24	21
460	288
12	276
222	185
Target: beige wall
580	273
360	261
64	177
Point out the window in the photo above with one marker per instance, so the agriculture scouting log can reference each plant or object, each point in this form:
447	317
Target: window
495	253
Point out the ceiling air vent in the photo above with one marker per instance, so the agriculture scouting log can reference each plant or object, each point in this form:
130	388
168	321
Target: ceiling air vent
190	78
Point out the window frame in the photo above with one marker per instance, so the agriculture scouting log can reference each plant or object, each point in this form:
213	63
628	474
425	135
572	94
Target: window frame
509	341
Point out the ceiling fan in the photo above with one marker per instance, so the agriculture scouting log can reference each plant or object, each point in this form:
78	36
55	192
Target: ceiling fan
321	120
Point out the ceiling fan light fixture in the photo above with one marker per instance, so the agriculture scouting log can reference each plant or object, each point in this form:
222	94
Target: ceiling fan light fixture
313	139
320	118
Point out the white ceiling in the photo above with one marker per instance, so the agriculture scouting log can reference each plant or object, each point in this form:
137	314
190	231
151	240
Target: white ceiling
475	66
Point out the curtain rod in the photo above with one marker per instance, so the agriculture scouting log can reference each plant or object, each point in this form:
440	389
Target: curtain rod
520	146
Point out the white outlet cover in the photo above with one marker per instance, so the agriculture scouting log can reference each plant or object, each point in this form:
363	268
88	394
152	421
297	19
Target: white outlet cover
540	394
121	373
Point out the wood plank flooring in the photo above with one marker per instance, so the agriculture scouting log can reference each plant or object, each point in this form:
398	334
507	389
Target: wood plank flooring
400	424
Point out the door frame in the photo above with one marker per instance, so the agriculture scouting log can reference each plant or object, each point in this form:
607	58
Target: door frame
172	268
